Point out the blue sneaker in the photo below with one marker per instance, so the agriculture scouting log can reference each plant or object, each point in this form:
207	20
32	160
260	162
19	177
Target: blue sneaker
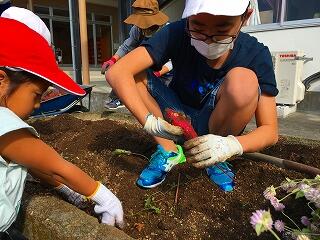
224	179
161	163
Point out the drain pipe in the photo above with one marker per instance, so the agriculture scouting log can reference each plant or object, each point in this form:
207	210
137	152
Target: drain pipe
283	163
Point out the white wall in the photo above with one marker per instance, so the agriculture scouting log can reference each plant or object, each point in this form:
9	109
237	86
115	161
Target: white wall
305	39
174	10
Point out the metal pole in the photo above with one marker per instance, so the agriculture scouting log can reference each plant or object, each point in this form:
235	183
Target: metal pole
30	5
75	43
84	41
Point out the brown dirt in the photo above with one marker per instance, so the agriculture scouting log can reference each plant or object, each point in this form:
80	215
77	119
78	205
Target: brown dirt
203	211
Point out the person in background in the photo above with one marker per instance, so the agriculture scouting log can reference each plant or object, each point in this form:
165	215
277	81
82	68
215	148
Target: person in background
27	69
222	78
4	4
146	20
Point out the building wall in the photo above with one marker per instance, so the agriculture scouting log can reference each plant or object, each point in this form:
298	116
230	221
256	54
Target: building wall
174	10
305	39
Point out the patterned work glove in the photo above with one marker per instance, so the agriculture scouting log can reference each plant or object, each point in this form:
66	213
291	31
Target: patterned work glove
71	196
108	206
207	150
161	128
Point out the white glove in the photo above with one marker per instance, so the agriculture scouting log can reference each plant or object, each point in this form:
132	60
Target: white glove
109	206
72	196
161	128
210	149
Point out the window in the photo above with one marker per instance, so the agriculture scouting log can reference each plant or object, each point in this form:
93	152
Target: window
302	9
269	11
104	43
99	34
41	10
102	18
62	41
280	11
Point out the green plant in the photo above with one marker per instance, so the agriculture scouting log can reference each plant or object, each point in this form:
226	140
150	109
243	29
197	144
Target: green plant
149	205
309	227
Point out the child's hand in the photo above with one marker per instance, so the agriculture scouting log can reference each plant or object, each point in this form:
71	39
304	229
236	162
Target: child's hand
161	128
109	206
210	149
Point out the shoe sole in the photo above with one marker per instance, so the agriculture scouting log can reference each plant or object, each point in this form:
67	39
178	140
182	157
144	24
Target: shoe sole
151	186
122	106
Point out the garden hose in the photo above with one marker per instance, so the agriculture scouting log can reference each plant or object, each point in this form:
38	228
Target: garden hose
283	163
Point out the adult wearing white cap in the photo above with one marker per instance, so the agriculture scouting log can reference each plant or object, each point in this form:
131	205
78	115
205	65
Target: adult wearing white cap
222	78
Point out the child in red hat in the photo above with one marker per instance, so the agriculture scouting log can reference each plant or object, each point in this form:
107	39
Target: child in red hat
27	69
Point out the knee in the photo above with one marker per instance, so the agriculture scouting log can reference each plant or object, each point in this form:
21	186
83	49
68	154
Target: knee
240	87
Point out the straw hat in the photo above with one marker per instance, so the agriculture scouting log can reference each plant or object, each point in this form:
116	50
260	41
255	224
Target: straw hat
146	14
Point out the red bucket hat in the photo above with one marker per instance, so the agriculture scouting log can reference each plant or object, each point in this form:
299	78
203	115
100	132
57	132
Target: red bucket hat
25	49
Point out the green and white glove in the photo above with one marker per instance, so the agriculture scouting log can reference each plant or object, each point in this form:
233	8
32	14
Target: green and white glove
108	206
161	128
207	150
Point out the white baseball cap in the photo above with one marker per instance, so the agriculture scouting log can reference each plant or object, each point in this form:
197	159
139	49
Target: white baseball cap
215	7
30	19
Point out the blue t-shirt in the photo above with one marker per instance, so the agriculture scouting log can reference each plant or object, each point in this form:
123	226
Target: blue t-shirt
193	79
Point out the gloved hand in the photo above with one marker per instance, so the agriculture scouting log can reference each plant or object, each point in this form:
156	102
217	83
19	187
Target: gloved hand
157	73
107	64
161	128
108	205
210	149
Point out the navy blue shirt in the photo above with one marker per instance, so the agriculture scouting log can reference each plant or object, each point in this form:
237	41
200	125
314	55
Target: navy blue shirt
193	79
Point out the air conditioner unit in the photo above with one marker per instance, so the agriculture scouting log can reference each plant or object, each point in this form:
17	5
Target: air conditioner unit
288	67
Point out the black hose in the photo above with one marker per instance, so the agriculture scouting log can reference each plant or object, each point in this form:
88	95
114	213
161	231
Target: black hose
309	80
283	163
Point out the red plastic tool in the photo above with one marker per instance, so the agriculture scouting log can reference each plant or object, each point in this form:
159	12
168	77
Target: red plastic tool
181	120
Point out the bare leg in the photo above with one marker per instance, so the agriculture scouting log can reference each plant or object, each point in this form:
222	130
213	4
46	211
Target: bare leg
153	107
236	102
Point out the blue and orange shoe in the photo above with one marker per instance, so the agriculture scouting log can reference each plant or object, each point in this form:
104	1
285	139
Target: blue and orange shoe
224	179
160	164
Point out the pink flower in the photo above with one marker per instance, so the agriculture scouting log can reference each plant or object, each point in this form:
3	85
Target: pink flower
305	221
261	221
269	193
279	225
277	205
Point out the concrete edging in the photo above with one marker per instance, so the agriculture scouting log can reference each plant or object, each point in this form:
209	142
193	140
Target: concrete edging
49	218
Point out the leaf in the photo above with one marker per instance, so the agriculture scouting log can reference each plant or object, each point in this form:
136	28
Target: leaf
299	194
306	230
121	152
288	179
259	228
139	226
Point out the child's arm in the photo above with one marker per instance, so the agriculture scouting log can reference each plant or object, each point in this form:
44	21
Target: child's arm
23	148
266	133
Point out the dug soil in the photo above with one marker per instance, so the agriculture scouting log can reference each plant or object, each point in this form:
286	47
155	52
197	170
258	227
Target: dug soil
198	209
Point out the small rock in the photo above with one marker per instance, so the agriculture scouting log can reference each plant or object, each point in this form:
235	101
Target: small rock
163	226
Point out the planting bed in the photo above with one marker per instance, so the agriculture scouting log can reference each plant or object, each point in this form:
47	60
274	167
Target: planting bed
201	211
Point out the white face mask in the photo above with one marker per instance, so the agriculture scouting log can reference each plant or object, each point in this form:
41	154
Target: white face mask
213	50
